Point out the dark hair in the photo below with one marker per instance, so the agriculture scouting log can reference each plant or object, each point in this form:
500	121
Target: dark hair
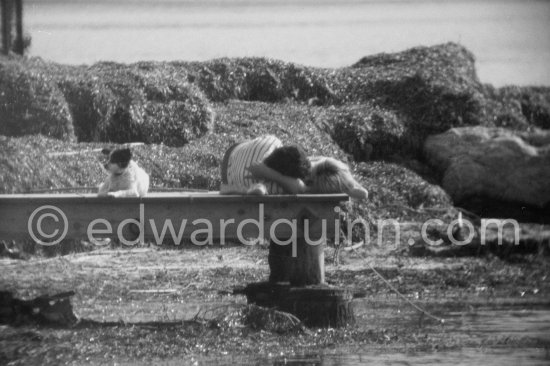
290	161
121	157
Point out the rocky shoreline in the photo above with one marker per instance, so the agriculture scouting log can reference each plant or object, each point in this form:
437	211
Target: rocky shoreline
387	116
420	132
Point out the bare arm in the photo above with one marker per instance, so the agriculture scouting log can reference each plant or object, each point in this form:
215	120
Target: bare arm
291	185
103	189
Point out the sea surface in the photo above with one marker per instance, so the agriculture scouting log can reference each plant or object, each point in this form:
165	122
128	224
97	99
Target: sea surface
510	38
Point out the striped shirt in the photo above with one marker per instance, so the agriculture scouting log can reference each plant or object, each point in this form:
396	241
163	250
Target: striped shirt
247	153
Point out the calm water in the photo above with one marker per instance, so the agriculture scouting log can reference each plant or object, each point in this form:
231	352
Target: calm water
510	38
511	323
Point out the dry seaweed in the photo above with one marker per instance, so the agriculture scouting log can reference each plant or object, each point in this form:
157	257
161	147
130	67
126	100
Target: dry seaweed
34	162
107	102
30	104
365	131
380	108
421	91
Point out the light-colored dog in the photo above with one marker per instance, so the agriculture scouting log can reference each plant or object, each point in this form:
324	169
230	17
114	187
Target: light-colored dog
126	178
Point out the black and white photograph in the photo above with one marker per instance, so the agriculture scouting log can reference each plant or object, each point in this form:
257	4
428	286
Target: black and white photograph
150	213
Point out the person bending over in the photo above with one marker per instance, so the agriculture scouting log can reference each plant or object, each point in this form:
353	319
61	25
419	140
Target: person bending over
265	166
236	178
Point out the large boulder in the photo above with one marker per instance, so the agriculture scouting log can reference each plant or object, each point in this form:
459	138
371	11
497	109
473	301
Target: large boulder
31	102
106	102
492	162
394	101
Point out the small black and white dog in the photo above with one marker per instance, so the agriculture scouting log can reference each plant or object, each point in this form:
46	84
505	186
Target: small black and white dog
126	178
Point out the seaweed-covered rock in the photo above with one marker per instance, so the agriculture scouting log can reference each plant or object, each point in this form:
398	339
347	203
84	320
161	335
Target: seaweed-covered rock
430	84
31	102
530	103
436	88
382	108
259	79
35	162
391	184
364	131
384	105
109	102
421	91
264	85
494	163
143	102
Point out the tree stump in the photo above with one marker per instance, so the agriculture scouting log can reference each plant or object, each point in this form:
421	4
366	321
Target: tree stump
315	306
45	309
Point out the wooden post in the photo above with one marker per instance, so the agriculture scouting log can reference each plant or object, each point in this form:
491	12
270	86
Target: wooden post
19	46
303	264
6	25
306	268
297	276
